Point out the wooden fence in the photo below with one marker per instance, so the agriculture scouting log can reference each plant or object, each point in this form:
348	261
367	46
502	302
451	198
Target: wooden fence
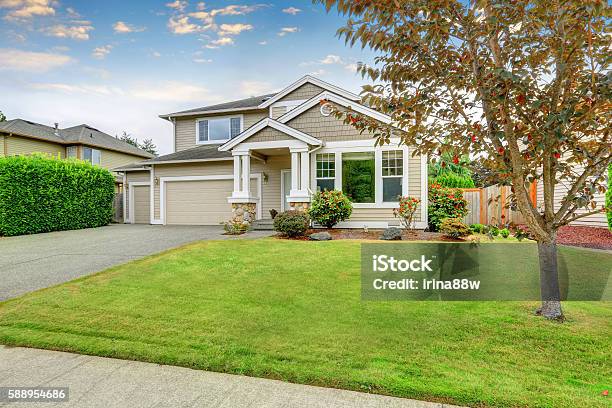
489	206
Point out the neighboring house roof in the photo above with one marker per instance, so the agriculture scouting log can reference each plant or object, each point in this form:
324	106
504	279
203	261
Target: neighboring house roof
81	134
131	166
241	104
198	153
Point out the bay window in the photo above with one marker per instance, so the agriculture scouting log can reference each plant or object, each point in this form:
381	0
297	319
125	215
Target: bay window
326	171
359	176
217	130
392	174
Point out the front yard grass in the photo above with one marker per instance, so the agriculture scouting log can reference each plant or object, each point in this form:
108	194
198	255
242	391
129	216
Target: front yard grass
292	311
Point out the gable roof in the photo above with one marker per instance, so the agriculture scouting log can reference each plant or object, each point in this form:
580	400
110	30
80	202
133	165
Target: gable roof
198	153
81	134
269	122
241	104
332	97
313	80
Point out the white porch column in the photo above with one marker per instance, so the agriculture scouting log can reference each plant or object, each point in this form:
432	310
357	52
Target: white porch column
295	164
236	176
305	172
246	175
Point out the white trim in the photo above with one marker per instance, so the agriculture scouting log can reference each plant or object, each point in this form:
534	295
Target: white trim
132	169
173	120
424	192
247	147
125	185
164	180
262	124
332	97
313	81
284	174
133	184
152	196
209	118
186	161
168	116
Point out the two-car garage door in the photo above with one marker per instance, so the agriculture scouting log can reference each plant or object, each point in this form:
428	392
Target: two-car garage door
199	202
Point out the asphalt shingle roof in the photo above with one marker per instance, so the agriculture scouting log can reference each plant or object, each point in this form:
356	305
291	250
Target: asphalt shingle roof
252	102
195	153
81	134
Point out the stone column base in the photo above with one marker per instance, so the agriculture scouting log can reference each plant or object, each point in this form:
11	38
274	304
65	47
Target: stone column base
243	213
299	206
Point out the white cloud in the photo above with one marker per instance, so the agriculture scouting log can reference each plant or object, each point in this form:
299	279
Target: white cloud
156	54
221	42
331	59
177	5
263	43
318	72
26	9
292	10
182	25
287	30
351	67
78	32
234	29
202	60
252	88
175	91
124	28
236	10
38	62
72	89
101	52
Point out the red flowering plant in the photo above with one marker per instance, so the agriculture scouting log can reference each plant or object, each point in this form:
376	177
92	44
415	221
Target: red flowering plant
444	203
330	207
406	210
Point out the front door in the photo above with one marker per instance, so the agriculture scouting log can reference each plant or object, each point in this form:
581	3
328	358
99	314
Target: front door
285	188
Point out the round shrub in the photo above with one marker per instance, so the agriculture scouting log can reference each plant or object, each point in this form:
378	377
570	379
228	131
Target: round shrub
454	228
291	223
493	230
505	233
328	208
444	203
477	228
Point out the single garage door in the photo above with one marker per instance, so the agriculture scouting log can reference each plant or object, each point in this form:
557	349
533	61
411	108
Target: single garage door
202	202
142	206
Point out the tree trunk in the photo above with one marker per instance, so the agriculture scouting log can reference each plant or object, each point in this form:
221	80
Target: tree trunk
549	281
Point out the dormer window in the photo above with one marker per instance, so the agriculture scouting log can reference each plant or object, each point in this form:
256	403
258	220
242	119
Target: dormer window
218	129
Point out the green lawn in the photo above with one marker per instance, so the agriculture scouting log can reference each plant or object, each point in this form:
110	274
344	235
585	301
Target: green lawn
291	310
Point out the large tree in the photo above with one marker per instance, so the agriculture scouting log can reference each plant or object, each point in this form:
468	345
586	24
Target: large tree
521	86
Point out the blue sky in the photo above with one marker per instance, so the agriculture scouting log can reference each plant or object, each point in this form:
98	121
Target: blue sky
116	65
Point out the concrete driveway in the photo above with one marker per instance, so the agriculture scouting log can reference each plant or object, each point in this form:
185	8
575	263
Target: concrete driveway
31	262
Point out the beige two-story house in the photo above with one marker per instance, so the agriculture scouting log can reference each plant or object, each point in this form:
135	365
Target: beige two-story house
241	159
23	137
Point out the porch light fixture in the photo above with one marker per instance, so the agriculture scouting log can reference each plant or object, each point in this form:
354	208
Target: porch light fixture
265	178
157	181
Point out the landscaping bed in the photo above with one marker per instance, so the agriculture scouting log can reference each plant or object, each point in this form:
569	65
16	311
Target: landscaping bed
283	310
588	237
372	234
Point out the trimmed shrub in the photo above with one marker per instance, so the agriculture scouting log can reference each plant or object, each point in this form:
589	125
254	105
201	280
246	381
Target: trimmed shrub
493	230
291	223
42	194
454	228
444	203
477	228
330	207
609	198
451	180
505	233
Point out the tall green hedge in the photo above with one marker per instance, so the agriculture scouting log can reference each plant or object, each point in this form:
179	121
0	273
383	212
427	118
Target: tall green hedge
42	194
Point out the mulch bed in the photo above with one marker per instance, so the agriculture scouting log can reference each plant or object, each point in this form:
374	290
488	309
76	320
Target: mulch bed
588	237
374	234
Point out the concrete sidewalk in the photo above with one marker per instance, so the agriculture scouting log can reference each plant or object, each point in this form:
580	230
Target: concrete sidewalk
108	383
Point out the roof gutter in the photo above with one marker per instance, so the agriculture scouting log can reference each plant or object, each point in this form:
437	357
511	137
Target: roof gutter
168	116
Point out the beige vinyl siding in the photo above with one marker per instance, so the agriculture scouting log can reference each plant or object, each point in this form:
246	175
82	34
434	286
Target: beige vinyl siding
595	220
142	206
326	128
17	145
278	111
186	127
305	91
272	188
268	134
3	145
110	159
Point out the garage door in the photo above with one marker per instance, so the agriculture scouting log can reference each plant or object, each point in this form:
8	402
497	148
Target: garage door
202	202
142	206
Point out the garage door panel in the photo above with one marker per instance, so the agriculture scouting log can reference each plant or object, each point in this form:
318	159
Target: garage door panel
202	202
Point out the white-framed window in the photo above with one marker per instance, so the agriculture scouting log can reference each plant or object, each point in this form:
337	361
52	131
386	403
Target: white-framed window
93	156
218	129
392	175
325	171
